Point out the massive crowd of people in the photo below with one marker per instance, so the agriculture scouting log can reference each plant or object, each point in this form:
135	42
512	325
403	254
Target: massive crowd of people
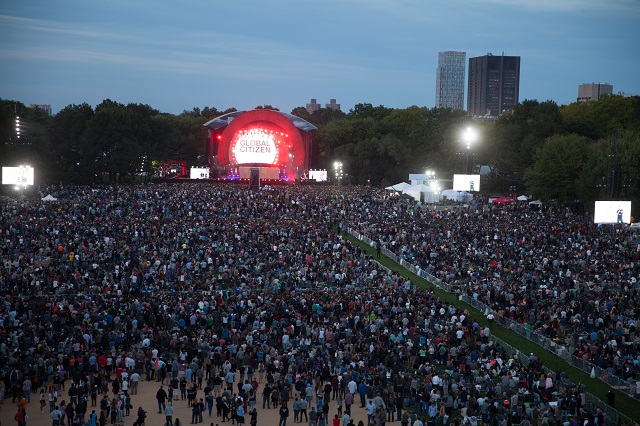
549	269
243	301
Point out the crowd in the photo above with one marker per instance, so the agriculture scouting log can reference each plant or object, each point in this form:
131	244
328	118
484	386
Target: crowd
553	271
243	301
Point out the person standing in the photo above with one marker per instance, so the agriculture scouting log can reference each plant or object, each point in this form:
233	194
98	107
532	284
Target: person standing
254	417
296	410
240	414
55	415
20	417
303	411
168	413
284	413
161	396
313	417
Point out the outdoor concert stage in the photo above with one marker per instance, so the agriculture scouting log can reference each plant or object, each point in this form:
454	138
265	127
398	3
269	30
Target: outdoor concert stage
271	145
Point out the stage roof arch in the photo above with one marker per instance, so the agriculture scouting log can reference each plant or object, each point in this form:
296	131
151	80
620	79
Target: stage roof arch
260	138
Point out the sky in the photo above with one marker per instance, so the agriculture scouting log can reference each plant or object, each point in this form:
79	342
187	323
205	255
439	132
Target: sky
177	55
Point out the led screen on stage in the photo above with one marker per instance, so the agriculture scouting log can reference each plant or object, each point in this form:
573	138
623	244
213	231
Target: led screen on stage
257	146
199	173
468	183
318	175
22	176
612	212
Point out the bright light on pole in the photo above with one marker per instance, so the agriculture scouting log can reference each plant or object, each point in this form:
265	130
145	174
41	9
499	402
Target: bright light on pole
337	166
469	136
18	127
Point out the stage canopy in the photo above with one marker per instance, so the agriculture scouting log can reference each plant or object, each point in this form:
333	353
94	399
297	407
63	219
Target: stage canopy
261	138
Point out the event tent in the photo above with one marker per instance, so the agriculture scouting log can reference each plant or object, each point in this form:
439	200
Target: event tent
398	186
503	200
452	195
423	193
49	198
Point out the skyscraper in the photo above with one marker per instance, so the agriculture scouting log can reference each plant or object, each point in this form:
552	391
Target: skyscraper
450	80
494	84
593	91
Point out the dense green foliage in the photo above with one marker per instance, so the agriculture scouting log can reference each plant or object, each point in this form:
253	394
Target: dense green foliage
563	153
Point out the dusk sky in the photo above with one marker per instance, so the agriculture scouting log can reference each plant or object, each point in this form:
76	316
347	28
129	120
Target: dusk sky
176	55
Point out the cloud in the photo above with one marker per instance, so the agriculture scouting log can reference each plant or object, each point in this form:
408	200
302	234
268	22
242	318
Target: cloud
620	6
59	27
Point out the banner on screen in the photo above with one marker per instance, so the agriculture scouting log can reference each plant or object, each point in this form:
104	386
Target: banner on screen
199	173
612	212
469	183
318	175
22	176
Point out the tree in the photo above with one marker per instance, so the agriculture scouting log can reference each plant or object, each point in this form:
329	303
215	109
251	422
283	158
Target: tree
598	119
267	107
66	133
341	132
374	159
558	168
302	113
367	110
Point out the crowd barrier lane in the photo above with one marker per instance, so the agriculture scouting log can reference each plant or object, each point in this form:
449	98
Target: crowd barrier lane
533	336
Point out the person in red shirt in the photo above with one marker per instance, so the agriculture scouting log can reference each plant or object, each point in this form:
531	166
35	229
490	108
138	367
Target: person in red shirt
336	420
20	417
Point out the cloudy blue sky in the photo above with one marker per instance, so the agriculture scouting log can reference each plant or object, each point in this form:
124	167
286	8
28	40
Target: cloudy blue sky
175	55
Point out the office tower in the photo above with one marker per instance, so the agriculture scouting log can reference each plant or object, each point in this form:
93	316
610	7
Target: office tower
450	80
333	105
593	91
313	106
494	84
46	108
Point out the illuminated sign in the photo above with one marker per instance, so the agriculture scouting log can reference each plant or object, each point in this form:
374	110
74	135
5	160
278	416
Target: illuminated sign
199	173
21	176
467	183
257	146
612	212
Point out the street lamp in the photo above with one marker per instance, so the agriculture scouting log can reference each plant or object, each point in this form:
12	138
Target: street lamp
469	136
18	127
337	167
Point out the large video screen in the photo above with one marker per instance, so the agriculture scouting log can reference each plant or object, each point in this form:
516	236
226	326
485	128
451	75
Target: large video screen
258	146
612	212
318	175
199	173
22	176
467	183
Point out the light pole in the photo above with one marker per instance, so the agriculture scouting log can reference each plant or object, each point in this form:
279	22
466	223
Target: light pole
469	136
337	167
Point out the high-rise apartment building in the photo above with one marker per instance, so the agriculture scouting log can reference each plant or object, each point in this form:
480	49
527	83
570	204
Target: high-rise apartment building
333	105
494	84
46	108
450	80
593	91
313	106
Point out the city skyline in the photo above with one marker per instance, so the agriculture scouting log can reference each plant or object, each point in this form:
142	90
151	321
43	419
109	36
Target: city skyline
245	54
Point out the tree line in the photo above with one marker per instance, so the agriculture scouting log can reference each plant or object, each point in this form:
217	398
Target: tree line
581	151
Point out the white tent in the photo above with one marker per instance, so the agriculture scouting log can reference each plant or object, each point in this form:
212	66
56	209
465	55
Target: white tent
450	194
458	196
535	203
398	186
423	193
49	198
523	198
